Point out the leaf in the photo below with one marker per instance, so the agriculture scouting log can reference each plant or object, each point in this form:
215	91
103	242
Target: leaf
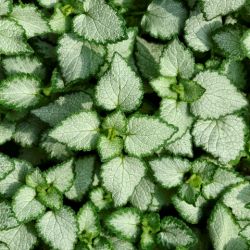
15	179
26	64
109	148
119	244
48	3
21	237
177	114
245	233
5	7
220	98
59	23
223	138
198	31
35	179
168	171
58	229
216	8
222	179
224	231
235	72
246	43
163	87
6	166
27	132
182	146
171	13
79	131
124	223
7	217
7	130
94	26
31	19
79	59
116	122
176	60
237	199
100	198
12	38
63	107
119	87
227	40
61	176
20	92
120	177
143	194
88	221
84	169
175	233
188	192
146	134
25	205
189	212
148	58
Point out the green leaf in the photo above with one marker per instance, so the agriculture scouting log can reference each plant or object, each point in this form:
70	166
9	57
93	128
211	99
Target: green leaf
191	213
170	12
176	60
246	43
198	31
220	98
148	58
222	179
100	198
190	193
235	71
124	223
5	7
79	131
119	244
88	222
84	169
31	19
63	107
79	59
15	179
25	205
190	91
61	176
35	179
12	38
120	87
50	197
163	87
245	233
177	114
7	217
146	134
116	122
20	92
23	64
223	138
57	82
237	199
168	171
120	177
228	40
175	233
109	148
7	130
48	3
143	194
182	146
216	8
59	23
21	237
94	25
27	132
224	231
58	229
6	166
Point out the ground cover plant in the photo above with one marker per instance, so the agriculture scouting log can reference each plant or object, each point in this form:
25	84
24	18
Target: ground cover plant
124	124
